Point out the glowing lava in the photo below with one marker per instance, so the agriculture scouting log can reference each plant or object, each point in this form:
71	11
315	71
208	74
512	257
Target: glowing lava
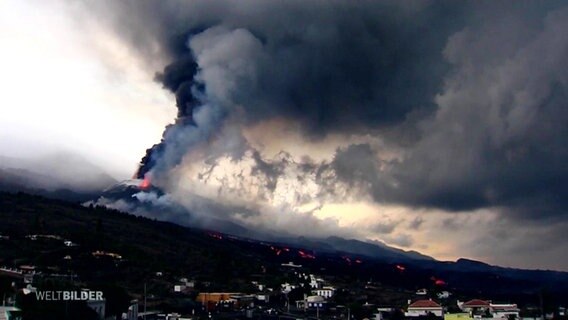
440	282
145	184
306	255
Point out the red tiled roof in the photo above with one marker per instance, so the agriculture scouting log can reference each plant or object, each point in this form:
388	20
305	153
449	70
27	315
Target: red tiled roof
424	304
476	303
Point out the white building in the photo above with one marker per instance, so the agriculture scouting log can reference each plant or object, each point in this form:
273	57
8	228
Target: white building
504	310
326	292
311	302
423	308
315	282
475	306
479	308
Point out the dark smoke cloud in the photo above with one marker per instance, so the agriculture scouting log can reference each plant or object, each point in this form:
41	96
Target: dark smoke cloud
497	137
311	70
314	70
473	94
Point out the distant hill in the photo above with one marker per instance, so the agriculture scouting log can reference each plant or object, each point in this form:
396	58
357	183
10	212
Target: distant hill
21	180
59	175
374	250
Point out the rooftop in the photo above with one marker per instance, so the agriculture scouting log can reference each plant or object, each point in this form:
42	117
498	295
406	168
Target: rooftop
476	303
424	304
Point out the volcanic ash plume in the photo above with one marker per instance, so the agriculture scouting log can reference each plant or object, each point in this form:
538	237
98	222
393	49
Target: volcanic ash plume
179	78
287	107
204	81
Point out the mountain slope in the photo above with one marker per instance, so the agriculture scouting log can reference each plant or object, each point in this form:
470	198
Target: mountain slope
374	250
130	195
149	245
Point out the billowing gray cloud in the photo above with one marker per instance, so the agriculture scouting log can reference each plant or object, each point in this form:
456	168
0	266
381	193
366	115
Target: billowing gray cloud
498	135
250	56
472	96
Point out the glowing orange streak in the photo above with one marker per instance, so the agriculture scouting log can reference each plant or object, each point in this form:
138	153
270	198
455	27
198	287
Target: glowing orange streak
145	184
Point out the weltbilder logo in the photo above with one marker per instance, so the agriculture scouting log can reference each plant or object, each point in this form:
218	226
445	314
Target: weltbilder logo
69	295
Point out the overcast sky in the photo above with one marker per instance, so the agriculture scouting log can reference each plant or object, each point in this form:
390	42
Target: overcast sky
70	84
434	126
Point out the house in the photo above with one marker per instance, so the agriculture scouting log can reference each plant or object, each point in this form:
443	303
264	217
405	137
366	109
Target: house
504	310
312	302
423	308
326	292
475	307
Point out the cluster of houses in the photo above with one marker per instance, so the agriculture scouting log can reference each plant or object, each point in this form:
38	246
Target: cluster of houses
475	308
318	295
320	290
